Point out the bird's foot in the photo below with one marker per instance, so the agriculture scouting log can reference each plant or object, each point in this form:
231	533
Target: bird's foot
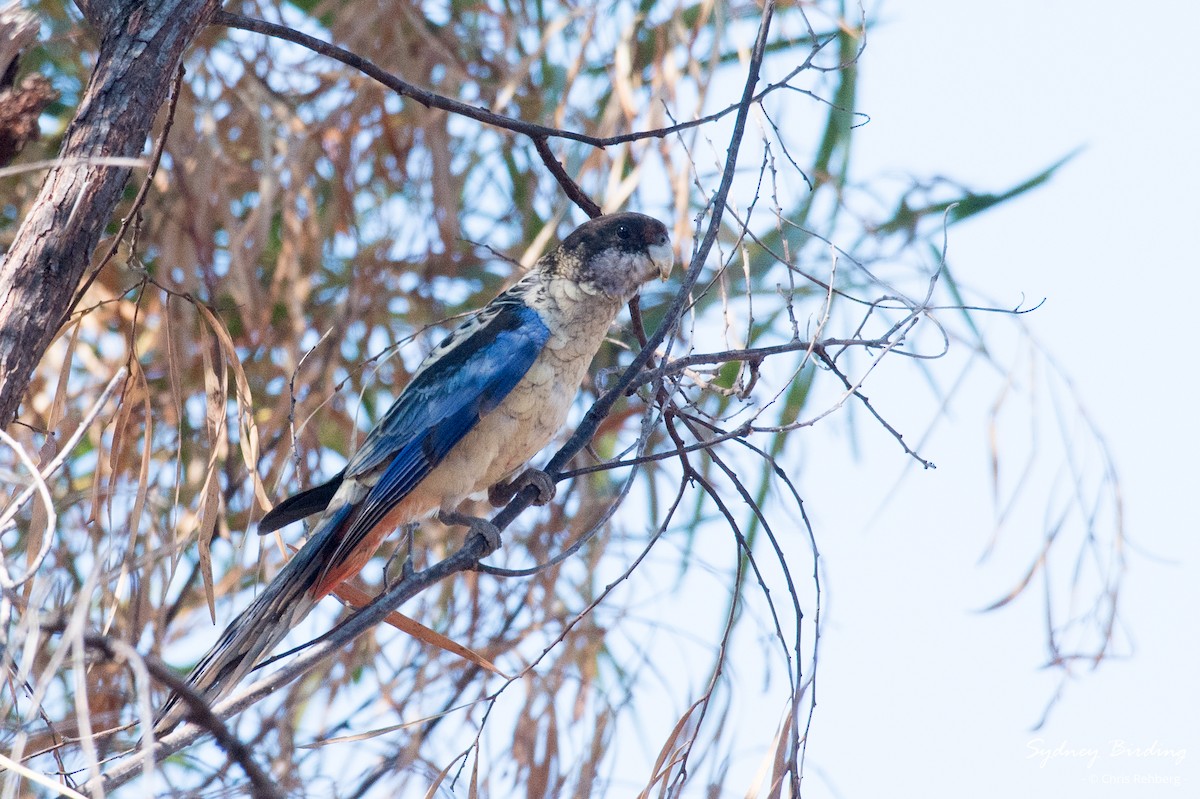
475	526
501	493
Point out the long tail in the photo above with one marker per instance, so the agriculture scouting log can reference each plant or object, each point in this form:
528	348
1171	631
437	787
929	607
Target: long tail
286	600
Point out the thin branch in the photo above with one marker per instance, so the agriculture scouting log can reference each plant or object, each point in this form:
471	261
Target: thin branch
854	389
198	711
603	406
155	158
38	479
465	559
433	100
568	185
38	778
58	163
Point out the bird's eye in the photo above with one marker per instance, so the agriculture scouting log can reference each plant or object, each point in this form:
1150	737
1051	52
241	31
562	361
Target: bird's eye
623	232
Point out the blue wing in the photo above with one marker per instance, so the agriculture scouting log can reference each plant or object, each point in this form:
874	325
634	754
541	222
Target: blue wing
441	405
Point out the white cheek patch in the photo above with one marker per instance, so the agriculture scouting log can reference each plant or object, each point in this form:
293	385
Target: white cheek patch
619	274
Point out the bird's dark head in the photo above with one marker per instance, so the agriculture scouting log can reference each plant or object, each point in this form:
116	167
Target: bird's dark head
615	254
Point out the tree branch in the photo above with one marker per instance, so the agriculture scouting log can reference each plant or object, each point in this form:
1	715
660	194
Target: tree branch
38	278
568	184
433	100
261	785
603	406
465	559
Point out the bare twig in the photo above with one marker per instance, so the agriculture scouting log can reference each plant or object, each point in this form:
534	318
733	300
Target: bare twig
370	615
54	163
39	480
603	406
140	199
433	100
568	185
198	711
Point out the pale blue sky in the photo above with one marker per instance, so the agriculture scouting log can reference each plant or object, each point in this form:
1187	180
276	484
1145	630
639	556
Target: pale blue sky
920	695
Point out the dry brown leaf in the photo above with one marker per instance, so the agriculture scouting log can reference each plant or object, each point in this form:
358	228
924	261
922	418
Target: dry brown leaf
439	779
143	481
538	784
248	439
668	754
216	388
774	759
356	598
55	413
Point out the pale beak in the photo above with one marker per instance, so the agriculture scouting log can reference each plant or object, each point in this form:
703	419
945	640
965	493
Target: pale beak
663	257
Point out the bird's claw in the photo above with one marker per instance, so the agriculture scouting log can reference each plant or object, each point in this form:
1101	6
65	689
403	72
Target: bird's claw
501	493
475	526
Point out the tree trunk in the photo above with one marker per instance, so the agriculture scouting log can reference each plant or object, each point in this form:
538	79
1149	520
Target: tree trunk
142	45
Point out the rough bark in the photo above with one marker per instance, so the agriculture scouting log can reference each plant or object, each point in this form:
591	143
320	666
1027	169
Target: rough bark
18	28
141	48
20	107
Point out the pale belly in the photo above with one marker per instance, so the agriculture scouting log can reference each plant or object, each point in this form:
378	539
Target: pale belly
504	440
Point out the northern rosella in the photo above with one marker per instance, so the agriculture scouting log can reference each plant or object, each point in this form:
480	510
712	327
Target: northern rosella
481	404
